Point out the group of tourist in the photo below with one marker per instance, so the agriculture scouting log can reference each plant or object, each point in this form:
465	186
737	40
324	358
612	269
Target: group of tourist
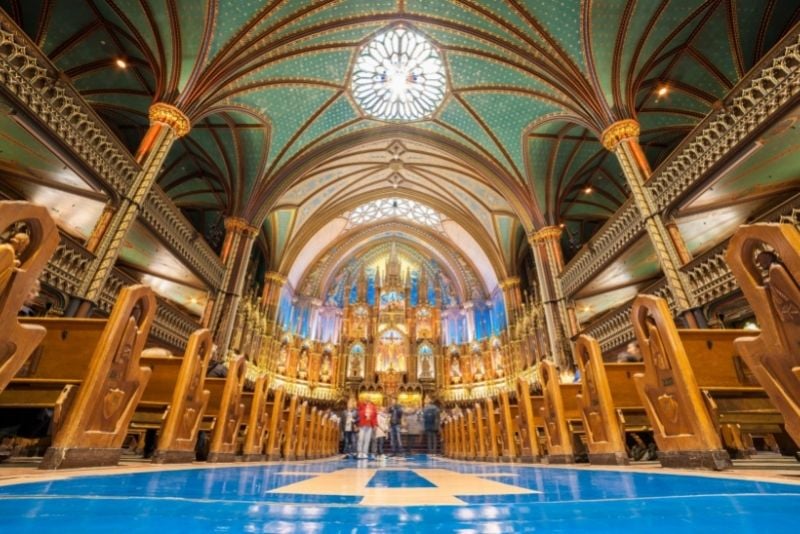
365	427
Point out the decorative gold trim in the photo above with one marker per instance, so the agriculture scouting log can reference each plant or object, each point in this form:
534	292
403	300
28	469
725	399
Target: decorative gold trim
510	282
620	130
171	117
548	233
275	276
237	224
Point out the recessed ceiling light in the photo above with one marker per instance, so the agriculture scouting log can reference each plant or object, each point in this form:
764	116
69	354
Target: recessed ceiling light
588	189
662	90
121	63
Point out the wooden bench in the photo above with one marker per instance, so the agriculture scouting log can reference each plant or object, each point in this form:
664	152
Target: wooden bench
696	388
507	429
526	415
297	448
765	259
290	427
480	431
257	422
273	450
493	426
87	371
603	389
176	394
555	414
22	261
226	407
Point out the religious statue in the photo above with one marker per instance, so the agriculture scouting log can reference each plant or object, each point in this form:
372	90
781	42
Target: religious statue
356	370
478	367
497	361
455	369
425	363
283	356
302	363
325	367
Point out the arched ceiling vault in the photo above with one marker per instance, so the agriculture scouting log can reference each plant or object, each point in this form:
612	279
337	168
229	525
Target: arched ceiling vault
266	85
314	271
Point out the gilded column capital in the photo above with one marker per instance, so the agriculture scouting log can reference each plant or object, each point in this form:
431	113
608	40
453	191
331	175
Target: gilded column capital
548	233
619	131
171	117
274	276
237	224
511	281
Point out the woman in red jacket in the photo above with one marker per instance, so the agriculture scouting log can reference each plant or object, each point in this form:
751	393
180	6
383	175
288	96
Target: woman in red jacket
367	419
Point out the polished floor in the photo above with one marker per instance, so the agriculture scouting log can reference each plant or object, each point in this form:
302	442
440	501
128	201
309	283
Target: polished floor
417	494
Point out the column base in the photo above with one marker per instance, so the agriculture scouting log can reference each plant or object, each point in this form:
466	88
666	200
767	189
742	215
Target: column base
561	459
222	457
609	458
56	458
173	457
718	460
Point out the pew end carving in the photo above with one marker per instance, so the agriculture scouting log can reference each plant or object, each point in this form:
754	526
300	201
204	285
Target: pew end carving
257	423
682	426
224	438
95	426
557	434
605	436
178	434
22	260
765	260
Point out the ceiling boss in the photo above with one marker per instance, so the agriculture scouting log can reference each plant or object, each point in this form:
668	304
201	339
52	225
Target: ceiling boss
399	75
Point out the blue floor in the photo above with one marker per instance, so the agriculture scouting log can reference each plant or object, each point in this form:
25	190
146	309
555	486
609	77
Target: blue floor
237	500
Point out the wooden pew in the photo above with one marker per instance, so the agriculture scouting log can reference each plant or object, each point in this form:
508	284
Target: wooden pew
773	356
480	425
682	426
275	431
177	389
227	407
605	435
471	435
22	261
88	371
257	423
529	443
509	449
300	425
289	427
312	442
559	438
493	452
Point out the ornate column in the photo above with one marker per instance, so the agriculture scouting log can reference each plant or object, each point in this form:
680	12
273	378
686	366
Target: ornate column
239	238
622	138
167	123
271	297
512	298
469	310
546	246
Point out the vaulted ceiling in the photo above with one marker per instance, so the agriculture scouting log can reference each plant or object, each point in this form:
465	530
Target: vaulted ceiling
278	139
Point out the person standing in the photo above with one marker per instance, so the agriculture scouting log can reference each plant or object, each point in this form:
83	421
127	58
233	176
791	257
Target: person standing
350	428
395	425
430	418
367	419
381	431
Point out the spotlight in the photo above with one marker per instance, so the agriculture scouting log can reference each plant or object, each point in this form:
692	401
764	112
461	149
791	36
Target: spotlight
662	91
588	189
121	63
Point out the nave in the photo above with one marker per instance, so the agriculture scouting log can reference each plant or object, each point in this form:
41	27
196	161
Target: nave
408	494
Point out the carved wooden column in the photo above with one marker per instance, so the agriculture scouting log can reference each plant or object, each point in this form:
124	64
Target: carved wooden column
622	138
167	123
546	246
239	238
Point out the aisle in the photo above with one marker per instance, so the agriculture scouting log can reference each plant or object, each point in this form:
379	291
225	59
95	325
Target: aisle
397	495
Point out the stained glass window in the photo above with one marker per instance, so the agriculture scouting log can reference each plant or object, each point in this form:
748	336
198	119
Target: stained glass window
399	76
387	208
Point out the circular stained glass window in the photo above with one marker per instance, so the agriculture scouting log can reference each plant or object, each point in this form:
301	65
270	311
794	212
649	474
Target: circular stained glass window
399	76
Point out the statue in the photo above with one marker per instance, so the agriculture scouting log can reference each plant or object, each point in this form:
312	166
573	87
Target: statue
283	356
425	363
325	367
455	369
303	362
